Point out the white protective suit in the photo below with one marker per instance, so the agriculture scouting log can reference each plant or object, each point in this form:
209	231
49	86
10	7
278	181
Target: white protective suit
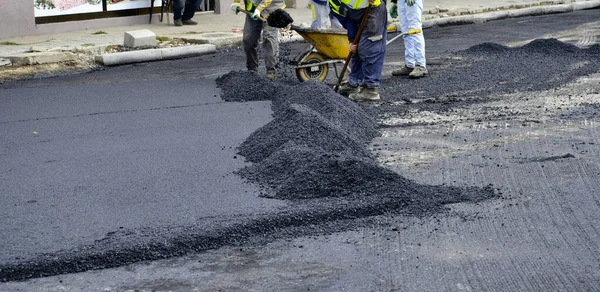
414	45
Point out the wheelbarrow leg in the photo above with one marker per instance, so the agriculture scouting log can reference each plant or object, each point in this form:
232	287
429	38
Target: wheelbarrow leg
337	73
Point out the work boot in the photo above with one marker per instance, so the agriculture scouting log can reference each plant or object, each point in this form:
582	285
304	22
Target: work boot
189	22
366	94
418	72
271	75
346	89
404	71
177	22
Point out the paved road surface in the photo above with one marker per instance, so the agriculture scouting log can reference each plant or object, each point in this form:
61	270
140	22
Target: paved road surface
538	147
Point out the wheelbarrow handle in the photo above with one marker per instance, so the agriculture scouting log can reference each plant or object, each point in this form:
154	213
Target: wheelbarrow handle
249	13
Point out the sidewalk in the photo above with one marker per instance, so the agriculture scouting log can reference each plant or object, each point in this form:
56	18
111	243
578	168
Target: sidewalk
217	30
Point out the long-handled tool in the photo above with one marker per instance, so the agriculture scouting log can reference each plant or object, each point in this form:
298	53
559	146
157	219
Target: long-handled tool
413	31
363	22
278	18
249	13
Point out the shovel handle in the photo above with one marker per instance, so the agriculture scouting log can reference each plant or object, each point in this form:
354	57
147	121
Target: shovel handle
363	22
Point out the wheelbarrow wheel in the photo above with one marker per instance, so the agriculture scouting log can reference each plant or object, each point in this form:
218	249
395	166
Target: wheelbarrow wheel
316	72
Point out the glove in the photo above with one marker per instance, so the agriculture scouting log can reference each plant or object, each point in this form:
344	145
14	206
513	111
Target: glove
256	14
235	7
409	2
394	10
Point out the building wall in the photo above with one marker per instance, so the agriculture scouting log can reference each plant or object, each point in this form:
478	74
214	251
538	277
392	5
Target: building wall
17	19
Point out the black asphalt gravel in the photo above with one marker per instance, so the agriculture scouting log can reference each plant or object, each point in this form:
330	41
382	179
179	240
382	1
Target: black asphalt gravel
486	70
315	148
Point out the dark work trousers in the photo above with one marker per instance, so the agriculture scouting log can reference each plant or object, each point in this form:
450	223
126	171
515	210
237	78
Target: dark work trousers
188	12
270	44
367	63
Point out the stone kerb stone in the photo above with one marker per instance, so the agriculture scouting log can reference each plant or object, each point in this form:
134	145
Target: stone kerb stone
140	38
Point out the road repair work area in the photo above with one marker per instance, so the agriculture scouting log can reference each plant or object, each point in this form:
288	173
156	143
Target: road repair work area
193	174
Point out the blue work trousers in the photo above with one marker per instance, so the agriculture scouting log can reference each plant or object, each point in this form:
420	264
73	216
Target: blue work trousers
367	63
188	12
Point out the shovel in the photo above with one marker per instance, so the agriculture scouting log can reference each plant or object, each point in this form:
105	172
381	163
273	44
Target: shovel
363	22
249	13
279	18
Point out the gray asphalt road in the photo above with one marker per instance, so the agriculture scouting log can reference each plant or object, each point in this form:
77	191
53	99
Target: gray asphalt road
82	162
533	137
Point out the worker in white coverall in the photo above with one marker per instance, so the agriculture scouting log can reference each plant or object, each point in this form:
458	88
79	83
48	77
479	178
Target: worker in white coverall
320	10
254	27
410	12
322	15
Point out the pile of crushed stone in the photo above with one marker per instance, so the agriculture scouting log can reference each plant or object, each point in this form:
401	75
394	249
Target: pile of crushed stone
316	147
302	172
313	153
491	68
246	86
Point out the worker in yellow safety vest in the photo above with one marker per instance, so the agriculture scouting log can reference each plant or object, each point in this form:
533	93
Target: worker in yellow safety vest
254	26
337	14
366	64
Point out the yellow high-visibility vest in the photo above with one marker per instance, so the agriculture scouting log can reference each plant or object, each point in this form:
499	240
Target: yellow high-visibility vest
360	4
334	5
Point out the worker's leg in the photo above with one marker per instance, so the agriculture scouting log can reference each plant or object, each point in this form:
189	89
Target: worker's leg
414	45
190	9
321	15
251	36
178	8
372	47
356	76
270	47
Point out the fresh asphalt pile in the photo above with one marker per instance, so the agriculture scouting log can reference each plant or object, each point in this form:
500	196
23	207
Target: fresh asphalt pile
316	147
486	70
313	154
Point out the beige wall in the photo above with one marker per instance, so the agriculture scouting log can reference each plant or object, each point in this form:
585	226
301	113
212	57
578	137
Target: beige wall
16	18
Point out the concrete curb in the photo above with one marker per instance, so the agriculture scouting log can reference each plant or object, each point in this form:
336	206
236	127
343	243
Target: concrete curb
40	58
122	58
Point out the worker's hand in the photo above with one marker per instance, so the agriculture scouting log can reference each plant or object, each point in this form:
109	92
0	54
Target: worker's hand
353	47
409	2
256	14
371	2
394	10
235	7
